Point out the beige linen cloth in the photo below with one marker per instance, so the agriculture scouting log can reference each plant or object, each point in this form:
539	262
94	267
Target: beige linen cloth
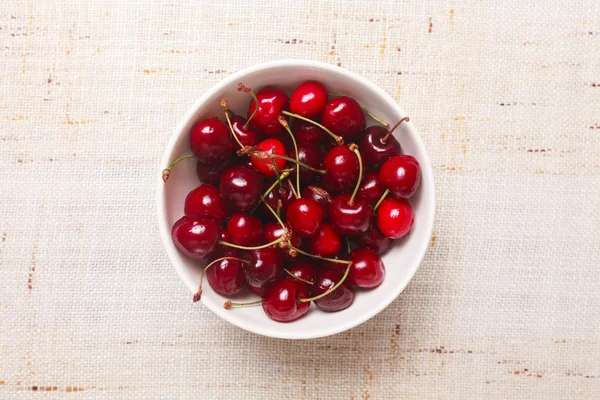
506	96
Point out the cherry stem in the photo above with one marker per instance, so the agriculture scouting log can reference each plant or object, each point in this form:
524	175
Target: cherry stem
331	289
293	190
383	196
225	108
167	171
348	244
297	277
228	304
369	113
246	89
300	163
274	213
279	207
318	257
354	148
284	123
277	174
338	139
284	174
198	294
264	246
387	135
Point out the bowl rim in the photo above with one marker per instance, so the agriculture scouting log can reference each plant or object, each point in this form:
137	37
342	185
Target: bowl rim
165	230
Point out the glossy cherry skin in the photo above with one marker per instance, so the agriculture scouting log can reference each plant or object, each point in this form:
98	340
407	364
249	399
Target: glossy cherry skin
285	195
305	132
240	188
320	195
211	141
270	104
265	265
342	168
244	229
264	166
326	242
350	219
373	239
211	174
340	298
374	149
344	117
370	188
395	217
196	236
305	216
310	154
342	255
309	99
274	231
206	200
401	174
282	302
226	277
304	270
366	268
248	135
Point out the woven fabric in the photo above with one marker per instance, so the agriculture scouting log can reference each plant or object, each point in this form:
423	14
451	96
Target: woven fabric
506	96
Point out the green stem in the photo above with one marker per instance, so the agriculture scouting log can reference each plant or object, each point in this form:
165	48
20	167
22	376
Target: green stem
274	213
167	171
231	129
337	138
319	257
383	196
360	173
300	163
284	174
296	277
387	135
228	304
331	289
251	93
283	122
264	246
348	244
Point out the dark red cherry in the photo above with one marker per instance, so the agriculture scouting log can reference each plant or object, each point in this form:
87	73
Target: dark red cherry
310	154
211	174
370	188
342	255
309	99
366	268
373	239
284	194
270	104
395	217
226	277
305	216
350	219
219	248
240	188
205	200
318	194
375	149
246	135
285	139
274	231
265	265
337	300
264	166
196	236
244	229
262	290
401	174
282	302
342	169
305	132
211	141
344	117
304	270
326	242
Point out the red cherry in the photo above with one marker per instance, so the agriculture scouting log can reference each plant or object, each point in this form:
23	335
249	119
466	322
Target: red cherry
337	300
211	174
318	194
304	270
366	268
395	217
264	166
270	104
205	200
373	239
196	236
240	188
282	302
348	218
211	141
344	117
342	169
226	277
284	194
305	132
370	188
262	290
311	155
326	242
342	255
375	149
274	231
265	266
245	133
305	216
244	229
401	175
309	99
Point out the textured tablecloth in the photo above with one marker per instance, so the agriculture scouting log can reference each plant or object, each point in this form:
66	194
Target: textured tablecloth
507	98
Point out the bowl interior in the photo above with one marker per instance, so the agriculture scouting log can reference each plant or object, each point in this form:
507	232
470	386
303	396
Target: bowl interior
401	260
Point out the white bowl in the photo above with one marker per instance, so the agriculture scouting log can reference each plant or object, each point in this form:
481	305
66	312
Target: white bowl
401	260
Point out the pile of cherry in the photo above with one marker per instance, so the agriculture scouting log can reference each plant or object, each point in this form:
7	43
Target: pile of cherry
300	214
